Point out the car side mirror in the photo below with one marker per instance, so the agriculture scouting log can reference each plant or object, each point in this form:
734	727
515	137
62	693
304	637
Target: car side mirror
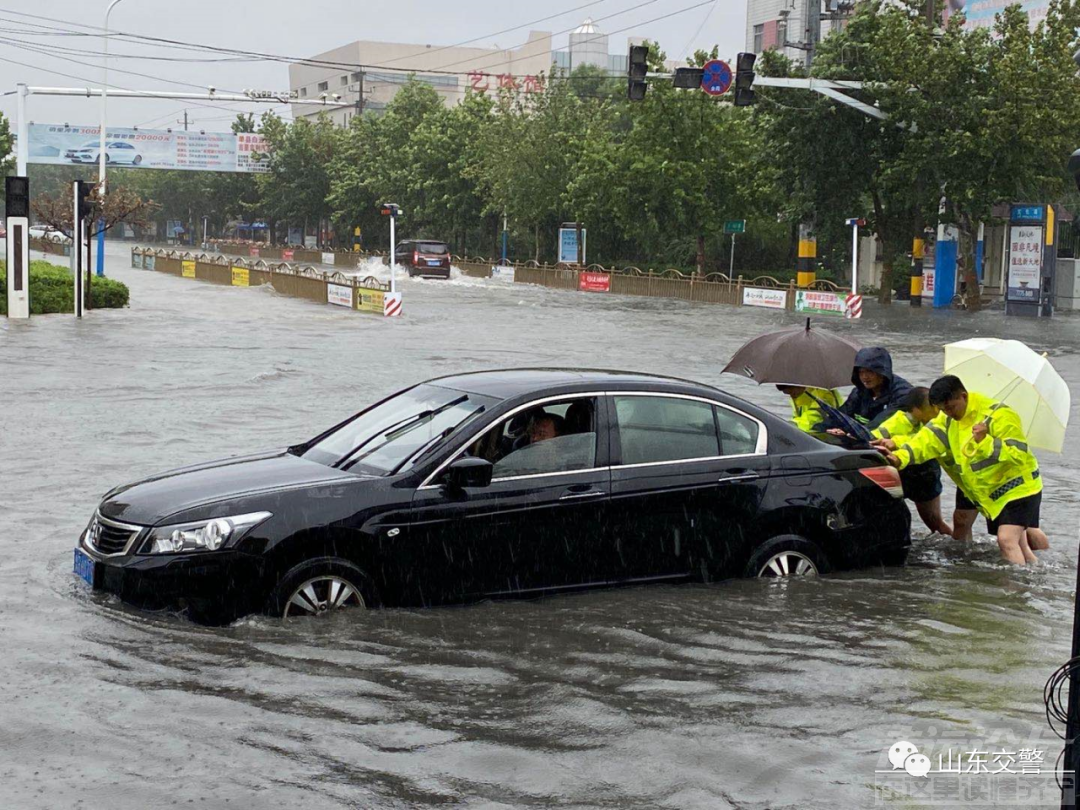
469	472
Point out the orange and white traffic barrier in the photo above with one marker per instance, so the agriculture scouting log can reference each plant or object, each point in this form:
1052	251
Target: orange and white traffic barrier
853	306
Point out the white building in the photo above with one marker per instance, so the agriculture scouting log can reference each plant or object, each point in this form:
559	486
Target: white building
366	75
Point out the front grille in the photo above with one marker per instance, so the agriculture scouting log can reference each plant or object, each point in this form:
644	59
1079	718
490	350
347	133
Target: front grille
109	537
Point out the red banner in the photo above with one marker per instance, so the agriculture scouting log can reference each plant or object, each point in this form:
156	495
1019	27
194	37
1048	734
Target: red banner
287	254
594	282
253	251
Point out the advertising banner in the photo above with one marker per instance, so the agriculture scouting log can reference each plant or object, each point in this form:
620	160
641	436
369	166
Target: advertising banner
149	260
287	255
148	148
568	245
187	269
370	300
594	282
253	250
240	277
328	258
818	302
770	299
1025	262
339	295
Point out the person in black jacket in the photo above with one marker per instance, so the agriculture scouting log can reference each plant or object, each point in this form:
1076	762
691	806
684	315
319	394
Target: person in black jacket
878	395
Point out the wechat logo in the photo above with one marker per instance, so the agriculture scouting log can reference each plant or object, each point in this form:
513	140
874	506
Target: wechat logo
903	755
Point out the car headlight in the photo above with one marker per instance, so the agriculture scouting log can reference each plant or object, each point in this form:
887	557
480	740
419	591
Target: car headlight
202	535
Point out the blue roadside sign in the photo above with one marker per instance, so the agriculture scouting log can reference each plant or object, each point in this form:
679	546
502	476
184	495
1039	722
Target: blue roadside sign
717	78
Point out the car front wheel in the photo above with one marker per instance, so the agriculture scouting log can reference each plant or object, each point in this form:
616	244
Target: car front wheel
320	586
786	556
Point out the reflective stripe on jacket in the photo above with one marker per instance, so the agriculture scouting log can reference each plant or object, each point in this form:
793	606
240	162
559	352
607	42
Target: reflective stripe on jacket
806	413
898	425
1001	470
932	441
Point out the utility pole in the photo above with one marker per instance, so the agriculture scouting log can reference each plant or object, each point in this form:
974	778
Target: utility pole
185	122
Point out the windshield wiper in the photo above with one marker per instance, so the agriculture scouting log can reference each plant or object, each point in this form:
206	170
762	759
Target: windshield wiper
397	430
436	439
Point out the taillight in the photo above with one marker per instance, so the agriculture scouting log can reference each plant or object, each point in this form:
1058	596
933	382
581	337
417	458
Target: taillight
416	257
888	478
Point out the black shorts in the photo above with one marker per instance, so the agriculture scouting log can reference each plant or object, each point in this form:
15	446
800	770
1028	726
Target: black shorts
962	502
922	482
1021	512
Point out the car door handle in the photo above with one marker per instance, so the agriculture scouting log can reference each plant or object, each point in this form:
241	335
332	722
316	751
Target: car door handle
739	476
592	493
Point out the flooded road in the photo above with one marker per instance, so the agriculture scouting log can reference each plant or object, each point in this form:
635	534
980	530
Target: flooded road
741	694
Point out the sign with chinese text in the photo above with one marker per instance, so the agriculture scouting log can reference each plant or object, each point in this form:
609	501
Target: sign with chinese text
240	277
187	269
568	253
327	258
594	282
1021	213
819	302
770	299
735	226
339	295
1025	262
58	144
370	300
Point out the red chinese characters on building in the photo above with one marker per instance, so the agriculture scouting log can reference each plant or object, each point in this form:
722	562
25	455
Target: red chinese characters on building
480	82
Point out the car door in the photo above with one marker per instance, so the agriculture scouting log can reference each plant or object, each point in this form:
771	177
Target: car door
686	482
540	525
403	254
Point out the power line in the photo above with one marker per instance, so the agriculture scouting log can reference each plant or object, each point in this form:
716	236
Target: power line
686	48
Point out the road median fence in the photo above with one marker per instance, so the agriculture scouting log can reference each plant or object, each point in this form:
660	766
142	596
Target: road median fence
300	281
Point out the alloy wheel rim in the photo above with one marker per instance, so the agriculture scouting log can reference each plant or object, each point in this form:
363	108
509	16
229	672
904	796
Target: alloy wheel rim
788	564
322	595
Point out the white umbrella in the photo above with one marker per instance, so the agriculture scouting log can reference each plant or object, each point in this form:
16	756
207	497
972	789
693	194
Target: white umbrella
1010	372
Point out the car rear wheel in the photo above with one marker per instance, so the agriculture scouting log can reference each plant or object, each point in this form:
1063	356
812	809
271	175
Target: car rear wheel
138	160
320	586
786	556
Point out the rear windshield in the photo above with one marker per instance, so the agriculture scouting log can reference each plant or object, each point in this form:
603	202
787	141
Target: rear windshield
432	247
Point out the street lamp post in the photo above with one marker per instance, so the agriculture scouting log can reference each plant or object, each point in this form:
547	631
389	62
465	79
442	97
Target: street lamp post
101	144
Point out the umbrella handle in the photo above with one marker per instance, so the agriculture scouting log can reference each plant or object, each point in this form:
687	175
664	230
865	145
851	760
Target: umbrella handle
969	448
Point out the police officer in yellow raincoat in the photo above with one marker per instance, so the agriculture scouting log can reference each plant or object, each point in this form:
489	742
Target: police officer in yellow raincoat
806	412
997	469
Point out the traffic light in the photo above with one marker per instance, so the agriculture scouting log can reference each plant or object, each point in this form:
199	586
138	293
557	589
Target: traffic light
86	198
636	68
17	195
744	77
688	78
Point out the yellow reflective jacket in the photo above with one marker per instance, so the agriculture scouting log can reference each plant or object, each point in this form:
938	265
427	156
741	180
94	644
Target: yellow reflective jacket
897	426
806	413
929	441
1002	468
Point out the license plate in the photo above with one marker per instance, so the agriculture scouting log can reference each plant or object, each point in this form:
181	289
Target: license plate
84	567
433	262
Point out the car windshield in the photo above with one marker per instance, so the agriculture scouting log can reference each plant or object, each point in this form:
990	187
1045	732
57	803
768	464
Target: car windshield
393	436
432	247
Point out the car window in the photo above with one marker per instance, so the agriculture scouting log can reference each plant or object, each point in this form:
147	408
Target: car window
394	435
738	433
559	454
654	429
550	438
432	247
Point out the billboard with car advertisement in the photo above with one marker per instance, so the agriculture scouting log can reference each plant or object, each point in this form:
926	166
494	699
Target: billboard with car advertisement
59	144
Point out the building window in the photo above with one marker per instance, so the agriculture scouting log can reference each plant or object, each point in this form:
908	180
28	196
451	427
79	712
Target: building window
324	86
344	80
303	92
759	37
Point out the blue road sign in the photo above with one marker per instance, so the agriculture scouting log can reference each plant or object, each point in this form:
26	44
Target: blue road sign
717	78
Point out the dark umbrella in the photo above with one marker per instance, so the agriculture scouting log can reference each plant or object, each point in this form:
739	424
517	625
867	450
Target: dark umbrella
799	356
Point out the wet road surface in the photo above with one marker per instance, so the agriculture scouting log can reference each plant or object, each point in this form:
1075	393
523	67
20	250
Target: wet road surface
739	694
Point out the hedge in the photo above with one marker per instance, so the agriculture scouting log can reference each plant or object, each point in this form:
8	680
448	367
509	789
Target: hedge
52	290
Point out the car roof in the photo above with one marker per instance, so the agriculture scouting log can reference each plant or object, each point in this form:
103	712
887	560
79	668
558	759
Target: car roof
512	382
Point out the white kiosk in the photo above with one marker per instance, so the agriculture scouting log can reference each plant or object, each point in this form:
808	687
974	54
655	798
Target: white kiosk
17	191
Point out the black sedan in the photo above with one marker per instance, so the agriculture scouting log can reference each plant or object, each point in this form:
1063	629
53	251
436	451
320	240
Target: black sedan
503	483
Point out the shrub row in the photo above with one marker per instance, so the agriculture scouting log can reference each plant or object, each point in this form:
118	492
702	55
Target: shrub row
52	290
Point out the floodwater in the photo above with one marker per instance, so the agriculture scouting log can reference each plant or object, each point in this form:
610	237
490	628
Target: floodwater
741	694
